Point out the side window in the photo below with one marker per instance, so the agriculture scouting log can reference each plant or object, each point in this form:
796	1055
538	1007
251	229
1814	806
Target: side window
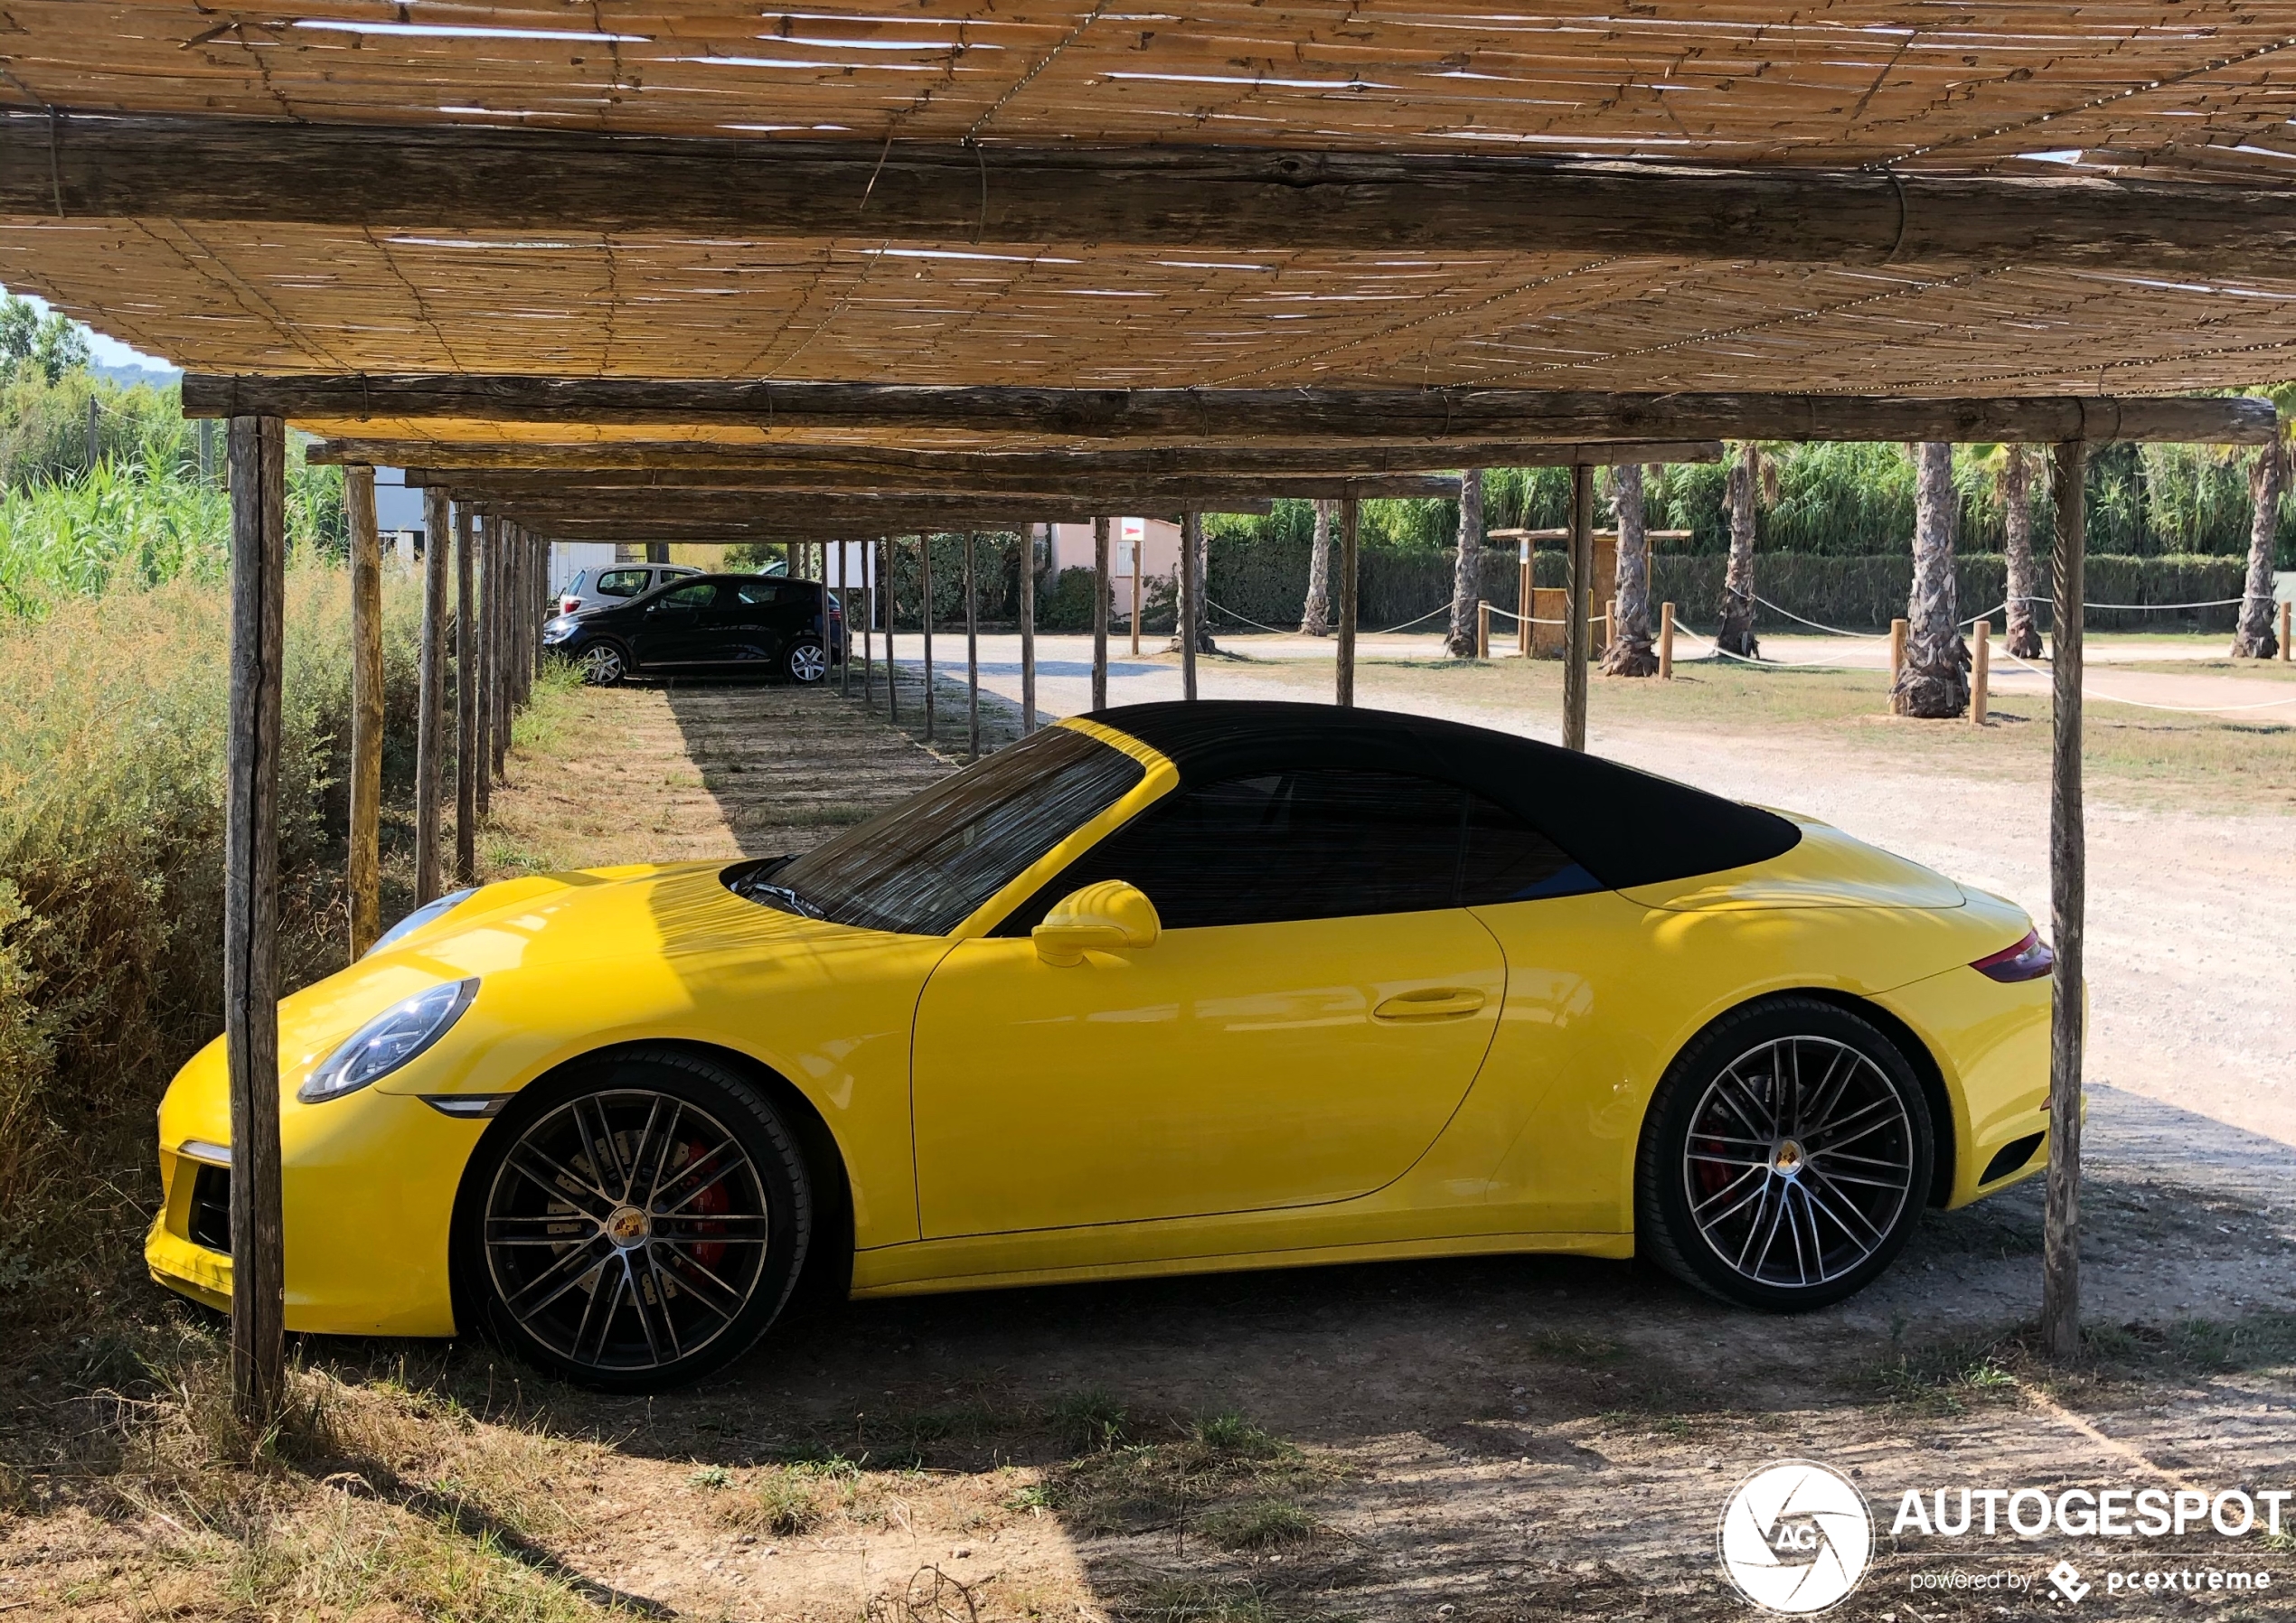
758	592
1332	844
695	596
622	583
1508	860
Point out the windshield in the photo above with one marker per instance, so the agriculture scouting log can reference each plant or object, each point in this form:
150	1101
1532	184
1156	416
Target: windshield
923	867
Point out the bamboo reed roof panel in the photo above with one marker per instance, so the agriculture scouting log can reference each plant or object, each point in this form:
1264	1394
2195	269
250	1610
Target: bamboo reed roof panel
241	298
2198	87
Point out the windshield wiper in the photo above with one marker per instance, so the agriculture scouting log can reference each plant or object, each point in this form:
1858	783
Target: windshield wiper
751	885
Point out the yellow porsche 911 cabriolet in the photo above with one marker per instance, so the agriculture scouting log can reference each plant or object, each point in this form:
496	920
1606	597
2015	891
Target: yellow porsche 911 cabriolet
1171	987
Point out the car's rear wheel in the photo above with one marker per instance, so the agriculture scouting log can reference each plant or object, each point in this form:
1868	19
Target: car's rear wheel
805	662
1786	1157
602	664
634	1224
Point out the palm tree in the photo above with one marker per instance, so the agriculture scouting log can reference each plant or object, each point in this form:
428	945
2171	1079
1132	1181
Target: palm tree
1466	576
1754	480
1934	681
2013	470
2256	639
1630	653
1315	618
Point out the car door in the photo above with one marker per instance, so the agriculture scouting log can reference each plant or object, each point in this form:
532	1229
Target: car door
1315	1010
753	622
674	626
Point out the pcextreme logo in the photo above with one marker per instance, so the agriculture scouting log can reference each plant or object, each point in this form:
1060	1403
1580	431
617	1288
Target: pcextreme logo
1796	1537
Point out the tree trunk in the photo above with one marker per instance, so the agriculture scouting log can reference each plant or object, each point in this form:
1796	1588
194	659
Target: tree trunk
1737	632
2256	639
1934	681
1466	577
2017	519
1315	619
1630	653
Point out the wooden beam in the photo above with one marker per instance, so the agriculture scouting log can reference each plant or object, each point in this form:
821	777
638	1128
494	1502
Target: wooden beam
365	876
1327	415
2068	907
992	470
668	510
1118	494
1157	197
250	918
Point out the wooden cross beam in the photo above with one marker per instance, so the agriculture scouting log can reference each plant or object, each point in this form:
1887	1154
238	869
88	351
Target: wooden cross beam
656	521
194	169
988	470
1327	415
1121	495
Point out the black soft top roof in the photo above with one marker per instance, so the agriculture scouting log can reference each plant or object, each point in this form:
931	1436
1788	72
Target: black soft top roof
1624	827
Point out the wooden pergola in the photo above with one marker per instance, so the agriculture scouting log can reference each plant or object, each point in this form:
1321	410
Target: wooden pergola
801	260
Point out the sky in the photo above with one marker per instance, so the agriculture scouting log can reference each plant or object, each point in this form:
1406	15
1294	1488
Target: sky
107	350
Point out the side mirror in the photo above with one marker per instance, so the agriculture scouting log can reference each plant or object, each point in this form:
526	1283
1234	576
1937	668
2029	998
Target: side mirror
1099	918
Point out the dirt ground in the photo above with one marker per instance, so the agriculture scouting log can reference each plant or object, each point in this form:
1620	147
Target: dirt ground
1482	1438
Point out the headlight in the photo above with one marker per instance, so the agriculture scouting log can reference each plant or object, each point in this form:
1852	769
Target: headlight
559	630
390	1040
420	918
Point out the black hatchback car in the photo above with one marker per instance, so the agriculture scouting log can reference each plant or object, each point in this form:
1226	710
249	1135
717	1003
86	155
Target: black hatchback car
707	626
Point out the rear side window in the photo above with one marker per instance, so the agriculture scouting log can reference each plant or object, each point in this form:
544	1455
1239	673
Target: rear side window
623	582
758	592
1321	843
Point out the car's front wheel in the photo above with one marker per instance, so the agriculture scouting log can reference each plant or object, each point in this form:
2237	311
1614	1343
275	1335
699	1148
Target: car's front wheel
635	1222
1786	1157
601	664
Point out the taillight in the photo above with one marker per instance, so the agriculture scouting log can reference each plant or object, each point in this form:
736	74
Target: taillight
2029	960
567	605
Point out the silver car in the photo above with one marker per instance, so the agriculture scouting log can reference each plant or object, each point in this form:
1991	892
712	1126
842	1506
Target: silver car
616	583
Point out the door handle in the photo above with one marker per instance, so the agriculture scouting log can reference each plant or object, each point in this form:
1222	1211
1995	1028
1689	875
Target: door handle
1430	1003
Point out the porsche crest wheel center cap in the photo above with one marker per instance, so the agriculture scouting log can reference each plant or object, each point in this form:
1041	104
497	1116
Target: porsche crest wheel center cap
628	1226
1786	1159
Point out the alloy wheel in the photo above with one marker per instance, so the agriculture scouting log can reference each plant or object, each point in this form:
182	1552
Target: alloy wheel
626	1230
807	662
1799	1161
602	664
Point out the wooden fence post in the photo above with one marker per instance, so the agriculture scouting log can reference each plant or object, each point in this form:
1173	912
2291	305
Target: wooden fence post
257	455
2068	900
1897	630
1666	641
2283	628
366	706
1482	629
1523	590
1980	672
1351	537
971	657
466	700
1029	626
437	543
1610	624
1578	605
1192	587
1100	613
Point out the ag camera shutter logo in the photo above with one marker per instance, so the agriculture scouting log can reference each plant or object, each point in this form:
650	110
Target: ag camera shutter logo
1796	1537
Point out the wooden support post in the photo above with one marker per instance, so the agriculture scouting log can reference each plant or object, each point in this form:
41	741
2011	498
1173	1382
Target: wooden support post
1578	605
869	625
1666	641
366	703
972	655
496	666
844	622
1139	562
437	543
465	701
1482	629
1980	672
1191	584
1100	613
1897	630
1029	627
1351	536
250	916
2069	903
892	671
925	612
1523	603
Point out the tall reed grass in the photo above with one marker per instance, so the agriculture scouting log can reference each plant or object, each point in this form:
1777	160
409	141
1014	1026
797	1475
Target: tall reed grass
111	747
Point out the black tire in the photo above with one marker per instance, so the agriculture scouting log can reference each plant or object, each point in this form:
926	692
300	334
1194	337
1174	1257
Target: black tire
603	663
805	662
691	1236
1738	1155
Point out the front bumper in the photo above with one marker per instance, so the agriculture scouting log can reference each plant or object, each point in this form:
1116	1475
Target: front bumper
367	1186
